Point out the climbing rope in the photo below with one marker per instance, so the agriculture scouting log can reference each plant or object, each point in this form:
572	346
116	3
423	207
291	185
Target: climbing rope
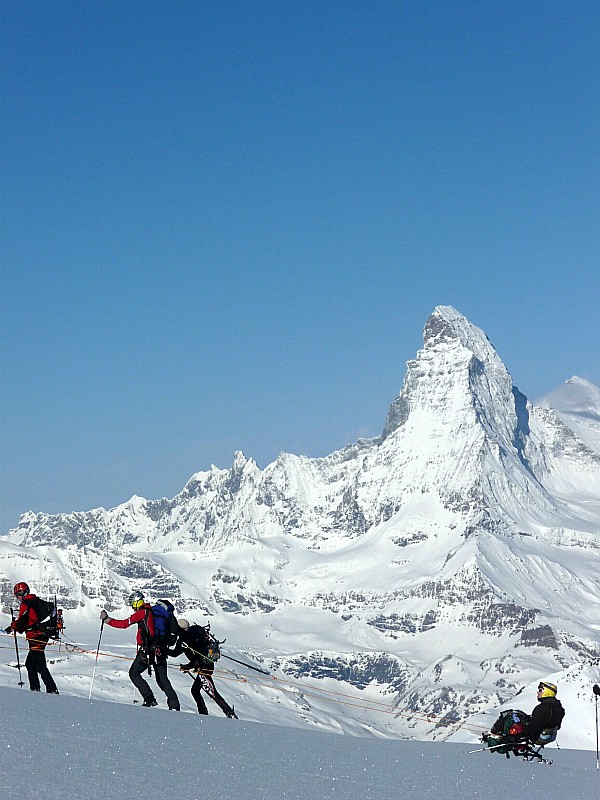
266	680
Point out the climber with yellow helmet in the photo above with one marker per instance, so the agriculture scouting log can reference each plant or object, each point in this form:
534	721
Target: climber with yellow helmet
546	717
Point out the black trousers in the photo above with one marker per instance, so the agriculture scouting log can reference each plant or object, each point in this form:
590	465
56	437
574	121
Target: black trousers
205	681
162	678
140	665
36	667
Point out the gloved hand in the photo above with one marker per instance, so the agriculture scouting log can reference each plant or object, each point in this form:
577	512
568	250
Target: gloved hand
9	629
104	615
596	689
183	668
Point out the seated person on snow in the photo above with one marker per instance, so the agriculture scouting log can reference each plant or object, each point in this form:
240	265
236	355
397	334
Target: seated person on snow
514	729
546	717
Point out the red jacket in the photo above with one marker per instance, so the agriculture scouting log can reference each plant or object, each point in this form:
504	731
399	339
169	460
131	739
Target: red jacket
143	617
25	623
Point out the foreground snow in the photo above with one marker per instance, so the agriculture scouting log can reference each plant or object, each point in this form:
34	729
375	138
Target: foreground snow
67	747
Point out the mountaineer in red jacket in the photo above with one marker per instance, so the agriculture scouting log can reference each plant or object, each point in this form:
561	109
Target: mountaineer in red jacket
146	656
35	663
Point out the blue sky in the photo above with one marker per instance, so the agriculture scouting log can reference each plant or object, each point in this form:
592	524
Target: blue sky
223	225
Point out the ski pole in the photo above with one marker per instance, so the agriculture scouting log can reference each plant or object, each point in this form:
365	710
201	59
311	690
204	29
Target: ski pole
12	616
596	691
480	750
493	747
96	662
243	663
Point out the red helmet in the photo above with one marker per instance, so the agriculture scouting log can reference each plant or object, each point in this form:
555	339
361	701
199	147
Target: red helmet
21	588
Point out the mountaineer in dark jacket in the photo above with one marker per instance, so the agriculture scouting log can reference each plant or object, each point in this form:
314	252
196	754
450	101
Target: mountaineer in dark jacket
35	663
192	642
546	717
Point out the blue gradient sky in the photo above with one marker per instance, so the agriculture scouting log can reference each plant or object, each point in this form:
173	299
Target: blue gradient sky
223	225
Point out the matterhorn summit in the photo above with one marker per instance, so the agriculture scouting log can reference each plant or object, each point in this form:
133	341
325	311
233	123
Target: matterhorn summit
461	421
444	565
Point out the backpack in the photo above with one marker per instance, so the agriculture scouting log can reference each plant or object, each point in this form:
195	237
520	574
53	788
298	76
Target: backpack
507	729
511	722
165	624
203	642
49	617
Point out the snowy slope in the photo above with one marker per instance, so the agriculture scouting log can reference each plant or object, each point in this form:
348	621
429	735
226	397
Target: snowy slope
64	747
443	567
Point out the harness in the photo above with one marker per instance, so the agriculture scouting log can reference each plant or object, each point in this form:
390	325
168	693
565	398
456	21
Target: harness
147	646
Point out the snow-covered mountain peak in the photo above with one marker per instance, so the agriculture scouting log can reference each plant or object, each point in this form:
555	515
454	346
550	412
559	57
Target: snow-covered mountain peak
575	396
456	375
577	404
446	325
239	461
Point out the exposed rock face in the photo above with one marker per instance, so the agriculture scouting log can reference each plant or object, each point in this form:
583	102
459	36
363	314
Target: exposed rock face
445	560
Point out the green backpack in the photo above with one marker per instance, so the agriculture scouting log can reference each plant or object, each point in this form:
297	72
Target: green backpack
507	730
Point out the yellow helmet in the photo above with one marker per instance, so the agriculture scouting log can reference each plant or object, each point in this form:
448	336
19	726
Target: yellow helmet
136	600
546	689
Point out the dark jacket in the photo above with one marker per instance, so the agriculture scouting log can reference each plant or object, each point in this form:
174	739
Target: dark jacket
26	623
191	642
548	713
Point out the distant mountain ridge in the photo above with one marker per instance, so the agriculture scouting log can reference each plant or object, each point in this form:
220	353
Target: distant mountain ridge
446	562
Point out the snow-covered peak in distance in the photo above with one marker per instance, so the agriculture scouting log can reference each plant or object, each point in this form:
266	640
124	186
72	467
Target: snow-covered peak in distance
577	402
575	396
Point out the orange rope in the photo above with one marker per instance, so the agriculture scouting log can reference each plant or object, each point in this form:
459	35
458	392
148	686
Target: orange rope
367	705
307	690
